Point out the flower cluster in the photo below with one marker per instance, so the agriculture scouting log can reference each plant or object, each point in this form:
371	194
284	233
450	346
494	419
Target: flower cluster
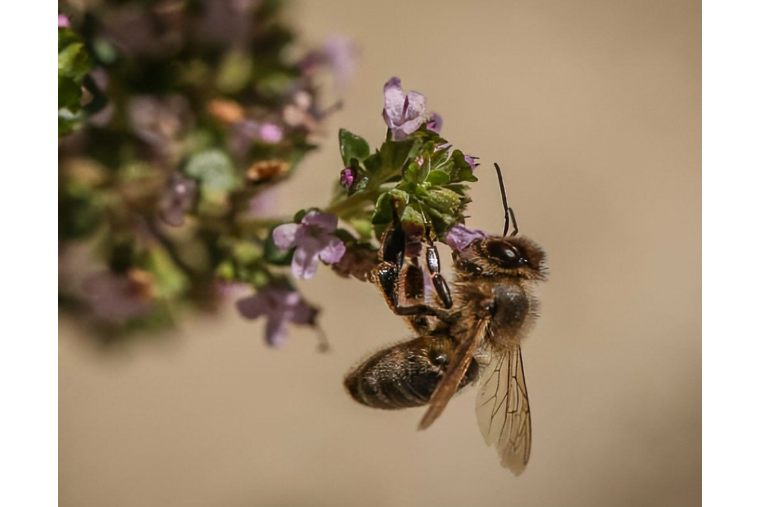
177	119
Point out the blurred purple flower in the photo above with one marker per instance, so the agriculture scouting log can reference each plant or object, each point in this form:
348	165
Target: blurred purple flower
435	123
339	53
404	113
347	176
342	58
118	297
271	133
279	306
459	237
313	240
246	131
63	20
177	200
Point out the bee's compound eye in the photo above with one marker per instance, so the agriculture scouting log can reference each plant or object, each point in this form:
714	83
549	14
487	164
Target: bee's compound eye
505	253
439	359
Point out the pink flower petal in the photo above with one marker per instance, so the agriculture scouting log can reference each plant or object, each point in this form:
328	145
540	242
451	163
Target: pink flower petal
435	123
333	251
415	103
459	237
412	125
302	313
284	236
325	221
253	307
393	96
275	332
304	263
271	133
342	56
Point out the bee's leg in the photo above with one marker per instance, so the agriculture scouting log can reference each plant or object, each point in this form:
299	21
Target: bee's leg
406	311
433	263
402	295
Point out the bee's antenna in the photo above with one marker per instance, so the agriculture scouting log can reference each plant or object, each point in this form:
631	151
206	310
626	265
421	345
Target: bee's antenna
509	213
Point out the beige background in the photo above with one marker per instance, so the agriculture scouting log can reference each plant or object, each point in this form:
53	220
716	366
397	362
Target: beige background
593	108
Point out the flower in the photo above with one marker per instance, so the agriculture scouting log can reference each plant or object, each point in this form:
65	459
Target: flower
459	237
339	53
404	113
342	58
313	240
435	123
347	176
119	297
270	133
280	306
177	200
471	161
358	261
63	20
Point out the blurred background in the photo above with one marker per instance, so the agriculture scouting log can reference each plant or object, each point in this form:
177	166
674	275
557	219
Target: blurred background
593	109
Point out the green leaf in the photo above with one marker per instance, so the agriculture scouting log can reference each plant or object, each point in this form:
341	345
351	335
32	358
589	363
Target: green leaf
444	200
170	281
73	61
462	170
234	71
384	207
394	154
351	145
69	93
437	178
214	169
299	215
412	217
373	163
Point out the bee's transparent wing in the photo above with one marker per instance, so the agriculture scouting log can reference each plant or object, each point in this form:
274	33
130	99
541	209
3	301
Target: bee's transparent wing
455	372
502	409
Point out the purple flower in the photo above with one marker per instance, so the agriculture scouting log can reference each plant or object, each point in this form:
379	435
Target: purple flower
342	58
471	161
280	306
339	53
347	177
177	200
270	133
313	240
404	113
459	237
435	123
118	297
63	20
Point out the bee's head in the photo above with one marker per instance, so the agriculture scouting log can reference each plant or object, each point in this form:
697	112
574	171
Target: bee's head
490	256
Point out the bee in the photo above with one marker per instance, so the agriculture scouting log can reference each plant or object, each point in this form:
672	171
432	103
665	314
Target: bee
471	332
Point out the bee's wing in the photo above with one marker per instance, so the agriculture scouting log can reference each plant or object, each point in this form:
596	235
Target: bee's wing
455	372
502	409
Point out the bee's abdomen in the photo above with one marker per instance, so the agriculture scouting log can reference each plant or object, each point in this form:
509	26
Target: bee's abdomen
404	375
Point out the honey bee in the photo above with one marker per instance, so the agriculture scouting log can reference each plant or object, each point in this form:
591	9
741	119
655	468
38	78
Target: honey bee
472	332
